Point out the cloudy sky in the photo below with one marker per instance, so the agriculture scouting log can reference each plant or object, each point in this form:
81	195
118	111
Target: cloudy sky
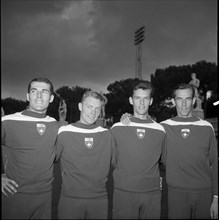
91	43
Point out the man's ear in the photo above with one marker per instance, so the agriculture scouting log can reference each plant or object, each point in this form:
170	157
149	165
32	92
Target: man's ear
193	100
28	97
151	101
80	106
131	100
173	102
51	98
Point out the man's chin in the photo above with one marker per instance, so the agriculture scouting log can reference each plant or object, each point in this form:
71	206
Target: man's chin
142	112
91	121
40	109
185	114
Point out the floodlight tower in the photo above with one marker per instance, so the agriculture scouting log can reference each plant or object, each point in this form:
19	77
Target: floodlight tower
139	38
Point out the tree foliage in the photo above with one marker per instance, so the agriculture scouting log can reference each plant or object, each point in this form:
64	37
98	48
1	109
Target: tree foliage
163	80
118	98
72	97
52	110
11	105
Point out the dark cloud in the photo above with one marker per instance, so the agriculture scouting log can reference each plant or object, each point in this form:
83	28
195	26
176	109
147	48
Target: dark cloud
91	43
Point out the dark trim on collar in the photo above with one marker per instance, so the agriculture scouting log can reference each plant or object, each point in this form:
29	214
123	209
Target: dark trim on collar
33	114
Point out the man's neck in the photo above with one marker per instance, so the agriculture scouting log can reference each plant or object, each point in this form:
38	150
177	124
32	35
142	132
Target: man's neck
142	117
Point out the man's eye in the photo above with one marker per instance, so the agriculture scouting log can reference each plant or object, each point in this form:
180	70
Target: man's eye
178	99
46	92
136	98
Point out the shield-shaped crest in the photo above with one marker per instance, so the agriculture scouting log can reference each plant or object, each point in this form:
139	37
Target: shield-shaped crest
41	128
140	133
185	132
89	142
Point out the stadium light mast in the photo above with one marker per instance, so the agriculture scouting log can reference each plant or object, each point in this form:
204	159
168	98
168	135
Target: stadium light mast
139	38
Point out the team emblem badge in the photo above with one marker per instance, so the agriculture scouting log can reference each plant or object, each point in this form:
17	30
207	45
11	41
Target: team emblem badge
89	142
185	132
41	128
140	133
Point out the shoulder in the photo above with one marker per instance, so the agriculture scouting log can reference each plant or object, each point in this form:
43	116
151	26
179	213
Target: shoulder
14	116
118	124
76	129
167	122
202	122
18	116
193	121
158	126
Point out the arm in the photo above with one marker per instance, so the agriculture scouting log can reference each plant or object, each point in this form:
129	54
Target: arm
164	151
163	161
62	111
58	148
113	155
8	185
125	119
197	83
214	208
214	165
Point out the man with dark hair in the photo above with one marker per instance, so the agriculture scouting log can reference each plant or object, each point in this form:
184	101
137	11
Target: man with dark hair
28	152
191	161
138	148
85	151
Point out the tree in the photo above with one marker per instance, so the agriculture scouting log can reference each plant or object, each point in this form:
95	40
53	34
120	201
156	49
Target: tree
118	98
72	97
164	80
53	107
11	105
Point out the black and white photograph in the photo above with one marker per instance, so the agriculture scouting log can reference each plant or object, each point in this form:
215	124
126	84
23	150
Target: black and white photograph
109	109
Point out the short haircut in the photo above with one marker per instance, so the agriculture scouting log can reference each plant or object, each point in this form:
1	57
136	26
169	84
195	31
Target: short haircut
183	86
95	95
45	80
144	85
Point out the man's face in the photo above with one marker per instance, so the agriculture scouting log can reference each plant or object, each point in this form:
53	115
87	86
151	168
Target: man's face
39	97
141	100
90	110
184	102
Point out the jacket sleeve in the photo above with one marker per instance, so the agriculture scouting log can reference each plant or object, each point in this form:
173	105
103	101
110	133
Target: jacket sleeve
213	157
58	147
2	143
113	145
164	149
164	152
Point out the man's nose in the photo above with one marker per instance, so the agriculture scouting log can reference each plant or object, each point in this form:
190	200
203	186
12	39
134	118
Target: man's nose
184	102
93	111
39	94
